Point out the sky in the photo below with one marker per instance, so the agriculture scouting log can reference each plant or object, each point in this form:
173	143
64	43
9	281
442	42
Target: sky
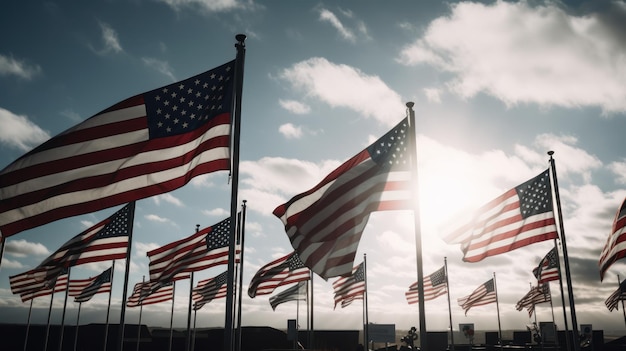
496	85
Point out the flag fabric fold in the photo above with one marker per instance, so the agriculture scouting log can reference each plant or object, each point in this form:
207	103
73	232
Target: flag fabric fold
285	270
537	294
325	223
618	295
294	293
615	247
434	286
347	289
521	216
548	268
209	289
56	284
483	295
148	293
204	249
84	289
148	144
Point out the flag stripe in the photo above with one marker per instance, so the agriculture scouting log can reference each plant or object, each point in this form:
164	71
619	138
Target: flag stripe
148	144
431	291
59	286
285	270
143	294
483	295
347	288
615	247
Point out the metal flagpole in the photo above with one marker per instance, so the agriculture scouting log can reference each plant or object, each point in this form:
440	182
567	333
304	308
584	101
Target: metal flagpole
295	343
106	327
556	339
308	309
67	290
312	330
417	227
495	288
445	264
242	236
568	276
193	341
172	315
45	347
77	325
188	342
365	306
120	340
565	324
28	324
143	280
236	129
619	285
2	239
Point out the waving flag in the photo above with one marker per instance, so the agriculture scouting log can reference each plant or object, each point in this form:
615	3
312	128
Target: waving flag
145	293
548	268
296	292
285	270
615	247
57	284
84	289
208	290
325	223
347	289
107	240
537	294
517	218
616	296
204	249
435	285
483	295
148	144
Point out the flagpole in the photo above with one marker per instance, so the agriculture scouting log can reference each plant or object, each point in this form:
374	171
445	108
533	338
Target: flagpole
1	249
45	347
67	290
239	65
242	237
77	325
619	286
311	331
445	264
30	309
417	228
131	214
143	280
188	343
193	341
295	343
365	306
547	285
566	326
495	288
106	325
568	276
172	315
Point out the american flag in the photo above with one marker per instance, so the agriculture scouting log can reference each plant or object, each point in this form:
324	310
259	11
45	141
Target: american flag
548	268
148	144
537	294
616	296
209	289
435	285
285	270
615	247
349	288
294	293
57	284
107	240
483	295
147	293
325	223
84	289
204	249
517	218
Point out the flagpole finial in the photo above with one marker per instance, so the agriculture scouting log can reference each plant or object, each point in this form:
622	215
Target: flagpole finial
240	38
197	228
550	152
410	104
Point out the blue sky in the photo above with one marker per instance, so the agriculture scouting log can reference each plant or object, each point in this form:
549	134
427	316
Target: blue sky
495	84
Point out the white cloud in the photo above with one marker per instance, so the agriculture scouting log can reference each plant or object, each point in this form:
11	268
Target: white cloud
520	53
110	38
160	66
6	263
19	132
433	95
11	66
345	86
619	168
167	198
158	219
294	106
23	248
216	212
205	5
290	131
142	248
327	16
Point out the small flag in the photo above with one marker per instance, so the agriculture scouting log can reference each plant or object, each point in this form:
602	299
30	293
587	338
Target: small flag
56	284
537	294
296	292
90	287
209	289
347	289
434	286
483	295
616	296
144	293
285	270
615	247
548	268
